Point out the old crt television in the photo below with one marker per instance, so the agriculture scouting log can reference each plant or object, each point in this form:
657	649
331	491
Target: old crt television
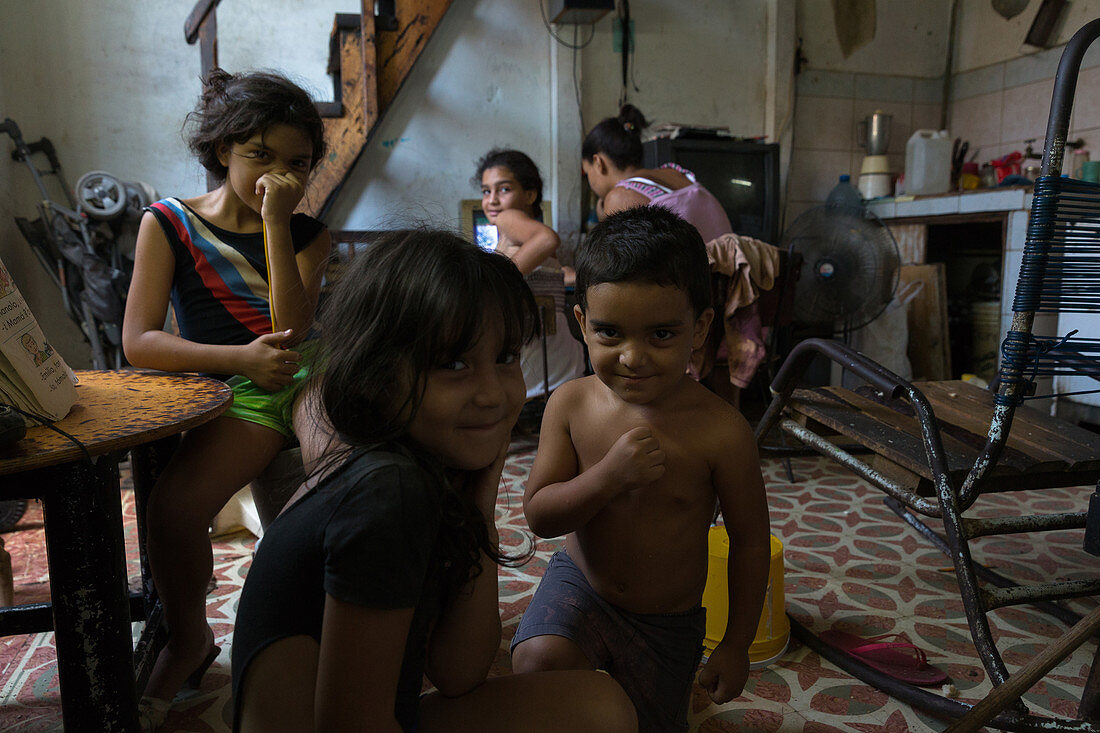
742	175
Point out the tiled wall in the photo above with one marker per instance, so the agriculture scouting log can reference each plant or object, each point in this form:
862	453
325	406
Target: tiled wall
828	106
996	108
999	107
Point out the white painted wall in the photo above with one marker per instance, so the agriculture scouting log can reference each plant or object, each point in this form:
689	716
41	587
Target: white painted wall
700	62
482	81
910	38
110	83
985	37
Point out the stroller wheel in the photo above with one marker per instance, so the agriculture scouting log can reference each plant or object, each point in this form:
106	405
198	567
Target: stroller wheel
139	194
101	195
11	512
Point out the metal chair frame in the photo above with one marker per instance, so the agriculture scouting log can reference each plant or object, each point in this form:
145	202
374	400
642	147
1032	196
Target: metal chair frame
1060	272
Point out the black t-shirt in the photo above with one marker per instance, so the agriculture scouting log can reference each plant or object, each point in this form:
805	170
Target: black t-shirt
368	535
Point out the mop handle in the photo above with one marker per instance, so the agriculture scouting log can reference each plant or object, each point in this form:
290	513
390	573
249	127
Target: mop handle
270	292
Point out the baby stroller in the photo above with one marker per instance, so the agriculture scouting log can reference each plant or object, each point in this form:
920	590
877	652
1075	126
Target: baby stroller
85	245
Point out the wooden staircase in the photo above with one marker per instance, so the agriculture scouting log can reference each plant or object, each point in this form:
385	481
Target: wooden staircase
370	56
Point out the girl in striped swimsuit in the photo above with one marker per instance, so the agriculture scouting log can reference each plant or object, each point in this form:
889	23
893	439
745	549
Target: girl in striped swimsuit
261	135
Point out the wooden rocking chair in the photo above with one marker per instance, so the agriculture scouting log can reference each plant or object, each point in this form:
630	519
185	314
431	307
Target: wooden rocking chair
936	447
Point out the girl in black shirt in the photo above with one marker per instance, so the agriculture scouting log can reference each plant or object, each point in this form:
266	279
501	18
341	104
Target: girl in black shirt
383	571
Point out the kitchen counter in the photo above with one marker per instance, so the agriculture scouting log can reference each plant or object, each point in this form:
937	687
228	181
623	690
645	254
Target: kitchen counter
1010	198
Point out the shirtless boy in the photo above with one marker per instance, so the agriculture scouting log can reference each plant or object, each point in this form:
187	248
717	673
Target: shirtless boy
629	464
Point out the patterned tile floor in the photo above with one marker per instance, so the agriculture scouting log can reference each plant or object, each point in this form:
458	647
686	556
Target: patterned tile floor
851	564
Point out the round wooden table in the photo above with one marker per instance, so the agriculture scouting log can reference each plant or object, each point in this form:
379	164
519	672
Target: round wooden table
116	411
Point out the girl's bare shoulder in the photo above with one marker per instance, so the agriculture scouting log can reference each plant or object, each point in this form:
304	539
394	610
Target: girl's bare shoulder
517	224
513	217
620	198
203	204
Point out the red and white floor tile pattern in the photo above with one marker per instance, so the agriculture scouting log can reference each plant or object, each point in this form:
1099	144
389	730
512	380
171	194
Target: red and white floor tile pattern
851	564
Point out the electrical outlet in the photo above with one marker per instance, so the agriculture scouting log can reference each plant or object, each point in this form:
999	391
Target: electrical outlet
617	35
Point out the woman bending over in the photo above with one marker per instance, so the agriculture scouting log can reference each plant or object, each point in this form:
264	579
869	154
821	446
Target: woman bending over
611	158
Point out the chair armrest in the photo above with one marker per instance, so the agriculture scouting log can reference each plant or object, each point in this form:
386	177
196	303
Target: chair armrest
796	363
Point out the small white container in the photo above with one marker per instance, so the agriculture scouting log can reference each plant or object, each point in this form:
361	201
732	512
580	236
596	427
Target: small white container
928	162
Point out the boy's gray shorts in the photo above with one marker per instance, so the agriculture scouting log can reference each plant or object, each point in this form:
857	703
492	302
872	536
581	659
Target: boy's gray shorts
653	656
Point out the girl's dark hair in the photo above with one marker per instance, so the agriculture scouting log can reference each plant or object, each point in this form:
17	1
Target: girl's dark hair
522	167
619	138
414	300
645	244
234	107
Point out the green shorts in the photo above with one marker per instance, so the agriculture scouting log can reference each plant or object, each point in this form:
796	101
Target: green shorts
271	409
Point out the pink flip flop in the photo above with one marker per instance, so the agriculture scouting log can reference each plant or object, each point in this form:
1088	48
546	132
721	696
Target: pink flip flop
899	659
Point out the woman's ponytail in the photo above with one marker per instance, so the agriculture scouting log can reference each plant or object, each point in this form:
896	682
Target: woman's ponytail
619	138
632	120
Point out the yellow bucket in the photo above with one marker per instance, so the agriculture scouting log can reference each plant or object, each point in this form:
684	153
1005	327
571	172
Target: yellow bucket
774	630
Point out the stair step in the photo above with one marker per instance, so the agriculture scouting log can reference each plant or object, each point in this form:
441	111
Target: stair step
329	109
385	15
368	64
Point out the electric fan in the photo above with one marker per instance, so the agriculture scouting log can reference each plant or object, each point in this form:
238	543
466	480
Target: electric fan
849	266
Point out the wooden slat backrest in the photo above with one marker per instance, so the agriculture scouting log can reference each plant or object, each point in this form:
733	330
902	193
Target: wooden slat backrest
1037	442
879	428
1046	439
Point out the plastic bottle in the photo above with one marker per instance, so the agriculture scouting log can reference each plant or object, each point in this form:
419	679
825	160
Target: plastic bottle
844	194
1080	157
928	162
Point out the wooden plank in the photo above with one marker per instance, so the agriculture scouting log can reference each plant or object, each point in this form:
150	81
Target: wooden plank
929	344
912	241
208	61
960	426
880	429
1003	696
195	20
1033	432
958	421
345	135
368	49
208	44
373	67
902	477
399	50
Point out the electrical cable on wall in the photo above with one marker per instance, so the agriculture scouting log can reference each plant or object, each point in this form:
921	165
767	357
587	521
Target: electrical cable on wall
800	61
623	14
576	80
574	46
556	37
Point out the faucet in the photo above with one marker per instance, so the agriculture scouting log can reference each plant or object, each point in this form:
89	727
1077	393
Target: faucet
1072	144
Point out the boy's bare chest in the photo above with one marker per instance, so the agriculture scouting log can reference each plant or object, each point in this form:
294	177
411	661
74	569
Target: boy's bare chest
687	477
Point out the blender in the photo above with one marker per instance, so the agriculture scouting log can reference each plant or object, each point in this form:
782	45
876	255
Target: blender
873	134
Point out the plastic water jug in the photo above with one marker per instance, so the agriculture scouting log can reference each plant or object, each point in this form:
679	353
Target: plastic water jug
844	194
928	162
